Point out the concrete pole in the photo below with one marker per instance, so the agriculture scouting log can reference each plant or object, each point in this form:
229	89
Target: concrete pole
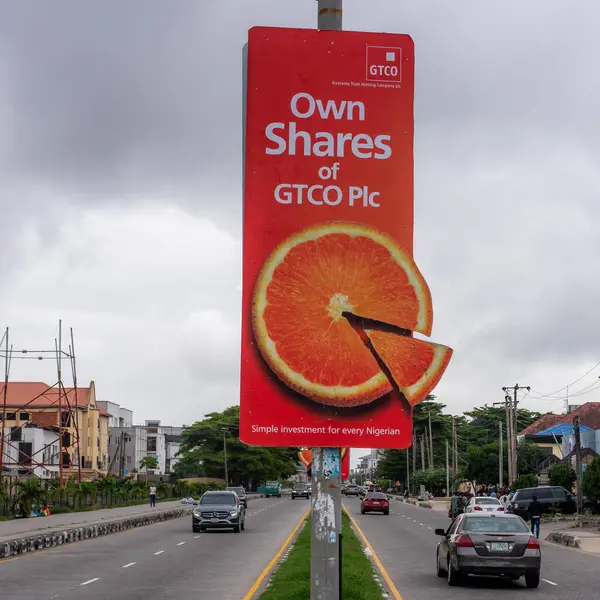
501	456
329	15
448	493
326	524
326	509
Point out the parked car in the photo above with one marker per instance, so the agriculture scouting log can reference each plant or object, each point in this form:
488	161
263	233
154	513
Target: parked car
549	496
219	510
375	502
496	544
351	490
241	494
484	504
301	490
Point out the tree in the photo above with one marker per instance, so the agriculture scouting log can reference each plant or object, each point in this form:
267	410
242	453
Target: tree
525	481
28	493
148	462
529	456
590	484
202	452
564	475
392	465
482	465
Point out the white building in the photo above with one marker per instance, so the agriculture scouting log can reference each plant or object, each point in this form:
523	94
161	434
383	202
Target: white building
30	444
119	416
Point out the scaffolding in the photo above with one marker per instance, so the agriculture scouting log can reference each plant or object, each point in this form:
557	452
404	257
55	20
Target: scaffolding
54	400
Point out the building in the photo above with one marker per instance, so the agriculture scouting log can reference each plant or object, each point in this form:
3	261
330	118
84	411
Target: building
37	406
119	416
367	464
33	450
129	445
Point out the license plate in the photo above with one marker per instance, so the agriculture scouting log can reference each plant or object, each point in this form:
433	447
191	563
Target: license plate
375	502
499	546
214	520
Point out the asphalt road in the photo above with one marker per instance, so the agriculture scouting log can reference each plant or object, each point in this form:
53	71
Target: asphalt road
405	543
161	561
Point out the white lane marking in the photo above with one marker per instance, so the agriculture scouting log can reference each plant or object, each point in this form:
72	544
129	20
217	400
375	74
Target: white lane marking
550	582
90	581
128	565
159	552
421	524
196	537
181	543
414	520
429	528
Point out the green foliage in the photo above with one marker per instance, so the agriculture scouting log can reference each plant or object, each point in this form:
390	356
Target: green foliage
60	510
529	456
434	480
29	493
525	481
563	474
590	483
481	463
202	452
148	462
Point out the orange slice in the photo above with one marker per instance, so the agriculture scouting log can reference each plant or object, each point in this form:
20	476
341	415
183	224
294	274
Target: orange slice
304	288
416	365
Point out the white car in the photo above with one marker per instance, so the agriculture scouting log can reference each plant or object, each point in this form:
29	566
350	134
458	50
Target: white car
484	504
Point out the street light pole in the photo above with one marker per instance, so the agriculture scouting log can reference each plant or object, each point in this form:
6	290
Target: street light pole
225	454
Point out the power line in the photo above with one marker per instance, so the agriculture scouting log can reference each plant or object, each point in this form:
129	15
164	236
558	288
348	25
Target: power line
572	383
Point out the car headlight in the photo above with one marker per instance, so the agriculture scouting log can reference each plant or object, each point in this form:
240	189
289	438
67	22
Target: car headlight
196	513
233	513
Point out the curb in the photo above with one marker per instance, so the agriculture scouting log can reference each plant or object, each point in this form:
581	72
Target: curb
413	502
59	537
26	545
565	539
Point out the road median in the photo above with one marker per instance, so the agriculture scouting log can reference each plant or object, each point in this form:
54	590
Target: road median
291	579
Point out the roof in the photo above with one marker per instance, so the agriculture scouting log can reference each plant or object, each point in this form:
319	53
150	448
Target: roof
38	394
563	429
543	423
588	413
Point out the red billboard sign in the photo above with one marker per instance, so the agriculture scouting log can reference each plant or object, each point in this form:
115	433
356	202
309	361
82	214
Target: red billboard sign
331	293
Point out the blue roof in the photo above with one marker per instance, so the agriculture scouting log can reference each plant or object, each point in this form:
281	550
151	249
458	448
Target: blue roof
562	429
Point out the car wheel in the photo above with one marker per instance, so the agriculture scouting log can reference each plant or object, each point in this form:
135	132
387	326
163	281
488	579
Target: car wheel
532	579
236	529
440	572
195	530
454	576
386	512
362	512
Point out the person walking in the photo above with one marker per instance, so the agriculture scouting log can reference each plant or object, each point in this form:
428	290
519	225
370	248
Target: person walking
152	495
535	515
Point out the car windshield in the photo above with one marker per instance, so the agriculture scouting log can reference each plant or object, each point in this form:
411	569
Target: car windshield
300	486
376	496
218	499
238	490
494	525
487	501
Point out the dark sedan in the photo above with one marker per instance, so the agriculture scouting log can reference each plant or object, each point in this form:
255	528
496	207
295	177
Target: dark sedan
219	510
494	544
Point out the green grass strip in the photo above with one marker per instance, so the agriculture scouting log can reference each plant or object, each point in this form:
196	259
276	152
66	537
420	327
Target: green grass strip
291	581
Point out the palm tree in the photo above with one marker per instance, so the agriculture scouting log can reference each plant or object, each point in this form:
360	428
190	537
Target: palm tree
28	493
148	462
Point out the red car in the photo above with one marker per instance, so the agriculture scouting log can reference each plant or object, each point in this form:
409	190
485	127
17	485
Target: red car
375	502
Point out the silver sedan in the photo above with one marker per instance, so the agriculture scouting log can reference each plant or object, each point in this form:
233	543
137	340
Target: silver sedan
496	544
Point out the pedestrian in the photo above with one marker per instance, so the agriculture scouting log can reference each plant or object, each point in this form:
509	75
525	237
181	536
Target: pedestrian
152	495
535	515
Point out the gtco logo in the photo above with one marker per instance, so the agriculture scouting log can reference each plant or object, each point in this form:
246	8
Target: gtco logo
384	64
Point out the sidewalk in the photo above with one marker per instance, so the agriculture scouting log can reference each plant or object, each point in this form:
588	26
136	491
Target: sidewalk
15	528
564	534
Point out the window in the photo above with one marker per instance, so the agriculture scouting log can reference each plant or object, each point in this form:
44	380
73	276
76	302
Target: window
24	416
151	444
10	416
559	493
226	499
544	493
495	525
129	460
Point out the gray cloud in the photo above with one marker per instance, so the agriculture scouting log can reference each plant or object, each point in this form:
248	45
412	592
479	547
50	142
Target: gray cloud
120	165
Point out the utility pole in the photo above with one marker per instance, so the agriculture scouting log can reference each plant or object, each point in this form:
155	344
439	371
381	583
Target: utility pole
576	424
447	472
454	461
423	452
512	428
414	453
407	470
225	455
326	522
501	456
430	444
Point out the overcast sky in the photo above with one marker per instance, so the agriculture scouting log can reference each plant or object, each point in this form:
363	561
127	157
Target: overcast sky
120	188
